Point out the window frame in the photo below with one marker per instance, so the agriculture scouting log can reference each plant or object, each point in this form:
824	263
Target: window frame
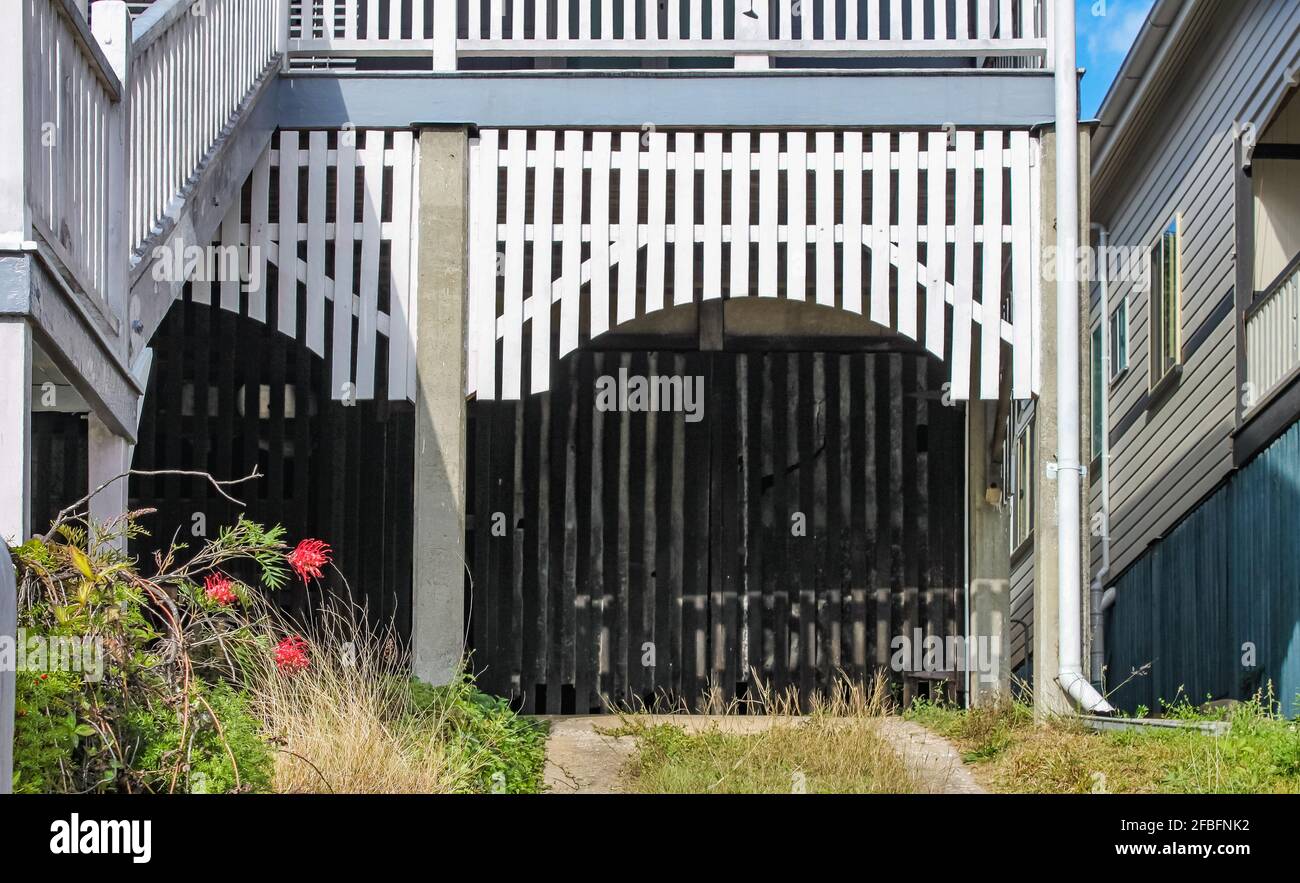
1158	298
1020	478
1119	325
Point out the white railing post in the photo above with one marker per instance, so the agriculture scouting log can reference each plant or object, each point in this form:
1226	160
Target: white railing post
111	26
751	26
15	218
444	35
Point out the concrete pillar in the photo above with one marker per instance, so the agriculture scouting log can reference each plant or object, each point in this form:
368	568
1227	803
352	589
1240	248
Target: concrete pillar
15	430
8	682
989	526
438	621
1049	699
109	460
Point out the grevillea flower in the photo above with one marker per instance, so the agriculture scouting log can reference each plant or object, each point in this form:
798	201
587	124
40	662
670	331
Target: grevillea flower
218	588
308	558
291	655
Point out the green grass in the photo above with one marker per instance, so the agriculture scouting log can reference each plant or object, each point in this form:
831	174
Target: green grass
1260	753
820	756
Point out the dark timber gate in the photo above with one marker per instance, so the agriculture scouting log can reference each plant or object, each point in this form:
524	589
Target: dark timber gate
812	515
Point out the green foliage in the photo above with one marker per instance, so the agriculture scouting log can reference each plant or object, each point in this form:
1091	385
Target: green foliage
509	750
234	758
46	731
143	719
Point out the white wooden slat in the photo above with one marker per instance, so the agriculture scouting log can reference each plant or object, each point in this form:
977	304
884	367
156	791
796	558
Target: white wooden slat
571	244
259	235
961	23
1005	28
287	271
964	265
796	213
675	19
785	18
656	220
316	172
541	21
741	162
715	24
476	20
895	30
829	20
372	19
936	238
873	20
942	23
851	20
345	199
1022	223
543	278
712	285
350	19
652	29
852	271
983	24
417	19
991	299
606	20
517	19
629	20
629	179
229	270
496	17
368	319
684	219
880	242
908	154
824	167
599	289
400	309
918	20
769	146
512	311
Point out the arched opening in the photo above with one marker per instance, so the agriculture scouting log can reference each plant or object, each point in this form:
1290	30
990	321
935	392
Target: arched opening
689	510
226	394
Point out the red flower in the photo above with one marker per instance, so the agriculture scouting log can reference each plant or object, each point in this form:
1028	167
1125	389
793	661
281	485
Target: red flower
291	655
218	588
308	558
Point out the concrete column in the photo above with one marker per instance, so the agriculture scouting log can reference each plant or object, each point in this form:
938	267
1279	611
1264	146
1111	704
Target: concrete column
109	460
1049	699
989	525
438	621
15	430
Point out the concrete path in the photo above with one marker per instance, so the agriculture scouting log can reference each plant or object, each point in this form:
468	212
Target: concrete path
582	760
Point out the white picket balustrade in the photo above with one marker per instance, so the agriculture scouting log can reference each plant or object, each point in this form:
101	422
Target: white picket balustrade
193	63
1002	33
68	100
928	234
341	307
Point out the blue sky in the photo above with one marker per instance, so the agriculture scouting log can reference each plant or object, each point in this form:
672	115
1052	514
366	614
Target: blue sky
1106	30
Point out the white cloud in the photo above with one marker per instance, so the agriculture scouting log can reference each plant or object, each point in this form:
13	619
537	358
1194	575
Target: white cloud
1113	33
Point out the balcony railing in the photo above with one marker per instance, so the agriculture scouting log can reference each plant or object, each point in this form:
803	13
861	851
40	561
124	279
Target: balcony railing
1273	336
70	95
751	33
192	66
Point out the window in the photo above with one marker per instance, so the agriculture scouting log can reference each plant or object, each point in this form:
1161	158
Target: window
1166	302
1021	479
1098	391
1119	340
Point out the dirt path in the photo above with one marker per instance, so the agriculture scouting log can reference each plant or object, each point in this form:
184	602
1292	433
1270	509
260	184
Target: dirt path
582	760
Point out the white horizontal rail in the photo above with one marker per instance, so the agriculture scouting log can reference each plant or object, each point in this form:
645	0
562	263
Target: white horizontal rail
69	98
1273	338
193	62
1004	33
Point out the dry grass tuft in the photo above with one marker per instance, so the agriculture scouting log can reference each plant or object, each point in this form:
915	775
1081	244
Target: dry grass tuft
354	722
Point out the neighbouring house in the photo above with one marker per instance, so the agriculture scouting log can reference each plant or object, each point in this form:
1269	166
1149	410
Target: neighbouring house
1194	486
639	348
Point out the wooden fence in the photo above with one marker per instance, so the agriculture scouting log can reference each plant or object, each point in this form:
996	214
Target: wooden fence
631	556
